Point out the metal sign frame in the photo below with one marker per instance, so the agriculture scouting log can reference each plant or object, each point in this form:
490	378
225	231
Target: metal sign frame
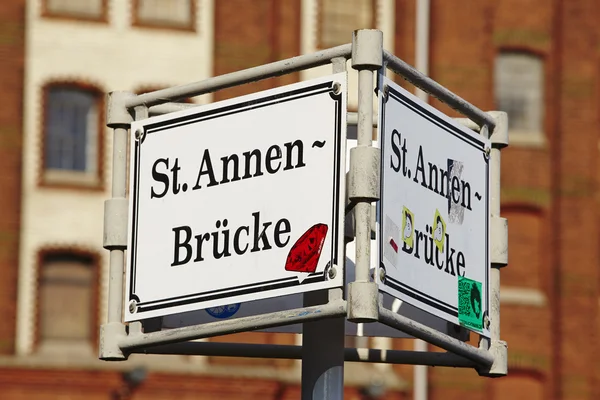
324	312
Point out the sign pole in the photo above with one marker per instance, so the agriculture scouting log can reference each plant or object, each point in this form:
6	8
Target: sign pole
322	353
323	341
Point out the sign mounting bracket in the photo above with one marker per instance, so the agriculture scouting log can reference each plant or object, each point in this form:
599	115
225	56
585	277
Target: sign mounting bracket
117	342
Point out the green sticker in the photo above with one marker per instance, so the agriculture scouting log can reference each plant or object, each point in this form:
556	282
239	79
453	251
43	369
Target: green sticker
469	304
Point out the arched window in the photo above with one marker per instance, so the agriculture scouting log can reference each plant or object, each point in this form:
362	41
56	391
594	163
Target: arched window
337	20
72	135
66	306
519	91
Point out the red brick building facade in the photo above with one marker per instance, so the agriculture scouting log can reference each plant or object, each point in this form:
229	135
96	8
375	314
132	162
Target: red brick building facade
550	173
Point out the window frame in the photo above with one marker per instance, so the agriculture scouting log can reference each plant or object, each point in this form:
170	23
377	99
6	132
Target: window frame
139	23
103	18
522	138
320	18
80	180
95	263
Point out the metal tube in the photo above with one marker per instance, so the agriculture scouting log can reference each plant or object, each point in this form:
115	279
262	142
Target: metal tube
271	70
115	286
495	270
270	320
352	119
420	378
166	108
323	359
435	89
295	352
117	260
413	328
362	210
119	178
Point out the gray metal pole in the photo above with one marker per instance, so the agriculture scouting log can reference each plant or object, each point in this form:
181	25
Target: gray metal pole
322	355
323	341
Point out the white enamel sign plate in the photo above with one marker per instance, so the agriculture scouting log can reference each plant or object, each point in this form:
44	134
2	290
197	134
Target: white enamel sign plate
281	303
238	200
434	211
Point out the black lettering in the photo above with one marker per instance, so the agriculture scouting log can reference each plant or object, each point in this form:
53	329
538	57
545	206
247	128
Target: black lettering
257	162
404	169
466	194
260	236
288	155
455	189
200	239
433	173
206	169
460	263
444	182
274	153
420	168
395	150
215	235
437	259
428	249
160	177
225	161
449	257
175	170
179	244
279	230
236	240
418	237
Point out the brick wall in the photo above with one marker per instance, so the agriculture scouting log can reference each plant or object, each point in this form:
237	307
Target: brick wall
12	51
549	194
548	191
247	36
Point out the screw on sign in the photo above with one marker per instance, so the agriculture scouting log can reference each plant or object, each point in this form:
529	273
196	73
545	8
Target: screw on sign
305	253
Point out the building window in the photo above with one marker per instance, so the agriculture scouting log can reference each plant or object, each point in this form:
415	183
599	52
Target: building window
339	18
72	139
174	14
89	10
66	306
519	88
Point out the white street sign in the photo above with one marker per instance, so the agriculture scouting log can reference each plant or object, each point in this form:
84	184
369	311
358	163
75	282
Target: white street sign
281	303
237	201
434	211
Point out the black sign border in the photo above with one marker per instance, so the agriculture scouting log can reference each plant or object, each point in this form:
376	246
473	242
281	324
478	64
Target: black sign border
473	141
327	87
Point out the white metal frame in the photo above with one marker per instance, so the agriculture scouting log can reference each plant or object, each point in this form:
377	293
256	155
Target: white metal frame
362	301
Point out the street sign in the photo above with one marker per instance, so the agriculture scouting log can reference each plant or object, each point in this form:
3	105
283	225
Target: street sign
434	211
252	308
237	201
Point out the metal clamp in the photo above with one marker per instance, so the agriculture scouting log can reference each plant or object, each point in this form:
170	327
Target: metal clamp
499	136
363	182
117	114
499	241
367	49
115	223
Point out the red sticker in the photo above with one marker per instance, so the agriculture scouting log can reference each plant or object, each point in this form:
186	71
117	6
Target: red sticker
394	245
304	254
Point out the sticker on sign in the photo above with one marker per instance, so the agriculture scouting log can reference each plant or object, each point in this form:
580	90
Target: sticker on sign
237	201
434	211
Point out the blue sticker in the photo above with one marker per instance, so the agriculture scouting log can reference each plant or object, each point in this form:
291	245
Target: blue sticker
223	312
